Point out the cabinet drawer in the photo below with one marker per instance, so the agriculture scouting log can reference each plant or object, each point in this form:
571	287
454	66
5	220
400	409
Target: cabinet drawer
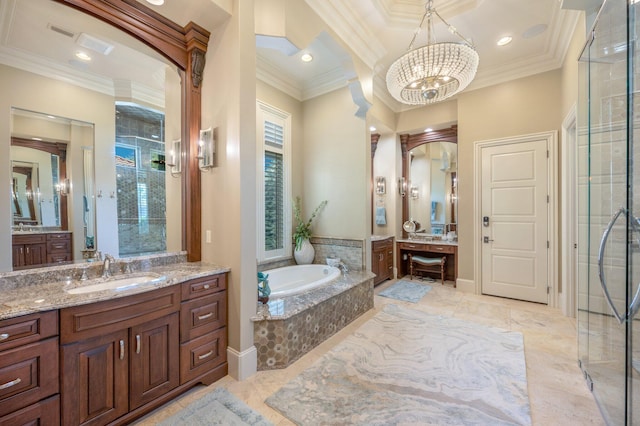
203	286
58	257
28	374
27	329
441	248
86	321
43	413
203	315
65	236
30	239
412	246
201	355
57	246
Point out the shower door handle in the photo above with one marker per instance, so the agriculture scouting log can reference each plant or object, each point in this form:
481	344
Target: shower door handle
603	283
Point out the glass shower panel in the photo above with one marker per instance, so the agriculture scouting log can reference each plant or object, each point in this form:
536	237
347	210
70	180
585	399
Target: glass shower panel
609	231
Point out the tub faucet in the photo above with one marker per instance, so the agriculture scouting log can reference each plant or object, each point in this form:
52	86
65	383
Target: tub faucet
106	266
343	267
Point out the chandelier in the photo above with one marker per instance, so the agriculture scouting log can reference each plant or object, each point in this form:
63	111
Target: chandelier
434	72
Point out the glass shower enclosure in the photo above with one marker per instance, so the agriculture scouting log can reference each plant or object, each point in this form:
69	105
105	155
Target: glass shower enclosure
609	212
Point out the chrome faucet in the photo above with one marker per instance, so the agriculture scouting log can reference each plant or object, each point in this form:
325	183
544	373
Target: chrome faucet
342	266
106	266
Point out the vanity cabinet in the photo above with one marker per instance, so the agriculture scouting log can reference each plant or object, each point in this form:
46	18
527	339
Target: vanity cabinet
29	387
382	260
31	250
121	358
118	355
428	249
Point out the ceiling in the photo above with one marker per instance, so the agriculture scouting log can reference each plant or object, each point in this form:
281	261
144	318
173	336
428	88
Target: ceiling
380	31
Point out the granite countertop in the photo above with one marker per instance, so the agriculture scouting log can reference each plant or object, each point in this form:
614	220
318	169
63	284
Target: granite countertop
380	237
35	293
435	242
45	231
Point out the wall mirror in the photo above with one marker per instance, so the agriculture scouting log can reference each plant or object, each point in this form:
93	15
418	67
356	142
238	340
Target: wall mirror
432	187
122	104
430	167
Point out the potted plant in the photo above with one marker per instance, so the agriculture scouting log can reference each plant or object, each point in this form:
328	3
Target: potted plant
303	251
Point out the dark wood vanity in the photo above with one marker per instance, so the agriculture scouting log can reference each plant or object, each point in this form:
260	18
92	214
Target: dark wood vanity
382	259
41	249
428	249
112	361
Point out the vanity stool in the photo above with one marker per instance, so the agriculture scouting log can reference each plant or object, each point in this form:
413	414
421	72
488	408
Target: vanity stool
427	264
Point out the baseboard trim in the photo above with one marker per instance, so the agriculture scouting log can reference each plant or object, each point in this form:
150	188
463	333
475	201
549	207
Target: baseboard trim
242	365
467	286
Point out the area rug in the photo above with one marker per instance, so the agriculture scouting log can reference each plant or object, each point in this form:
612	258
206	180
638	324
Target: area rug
218	407
408	367
406	290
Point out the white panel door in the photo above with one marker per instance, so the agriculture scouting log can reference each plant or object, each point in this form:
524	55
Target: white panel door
514	208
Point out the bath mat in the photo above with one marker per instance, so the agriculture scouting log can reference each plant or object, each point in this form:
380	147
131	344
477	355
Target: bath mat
218	407
408	367
406	290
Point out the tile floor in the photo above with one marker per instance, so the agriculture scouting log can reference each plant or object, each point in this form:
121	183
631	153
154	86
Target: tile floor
557	392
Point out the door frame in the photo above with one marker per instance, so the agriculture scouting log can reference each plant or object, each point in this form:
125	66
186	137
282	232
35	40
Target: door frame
568	298
552	212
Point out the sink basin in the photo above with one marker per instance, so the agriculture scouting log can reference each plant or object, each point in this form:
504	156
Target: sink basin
117	283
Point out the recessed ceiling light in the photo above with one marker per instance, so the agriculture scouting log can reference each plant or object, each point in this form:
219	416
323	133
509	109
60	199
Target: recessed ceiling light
372	129
504	41
83	56
306	58
428	129
156	2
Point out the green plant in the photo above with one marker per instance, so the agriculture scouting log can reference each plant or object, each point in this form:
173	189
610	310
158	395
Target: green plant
303	229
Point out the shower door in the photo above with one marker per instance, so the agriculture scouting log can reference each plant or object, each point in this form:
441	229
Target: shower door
609	249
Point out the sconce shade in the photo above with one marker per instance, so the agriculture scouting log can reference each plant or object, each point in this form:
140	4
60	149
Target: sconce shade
207	149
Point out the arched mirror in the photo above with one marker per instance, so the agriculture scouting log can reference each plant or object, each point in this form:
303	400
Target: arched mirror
114	106
430	165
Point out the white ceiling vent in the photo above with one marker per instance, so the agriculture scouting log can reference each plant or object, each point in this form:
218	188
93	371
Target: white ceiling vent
60	30
95	44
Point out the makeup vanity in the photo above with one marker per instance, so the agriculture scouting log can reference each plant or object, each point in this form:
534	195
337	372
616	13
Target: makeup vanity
428	249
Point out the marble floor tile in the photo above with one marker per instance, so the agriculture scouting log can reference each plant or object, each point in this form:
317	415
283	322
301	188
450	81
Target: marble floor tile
557	392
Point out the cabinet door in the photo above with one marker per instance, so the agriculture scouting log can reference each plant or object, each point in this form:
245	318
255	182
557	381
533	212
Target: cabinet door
42	413
35	254
154	359
18	255
95	376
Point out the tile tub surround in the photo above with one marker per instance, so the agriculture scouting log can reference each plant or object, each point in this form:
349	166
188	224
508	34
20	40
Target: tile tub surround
351	252
299	323
42	289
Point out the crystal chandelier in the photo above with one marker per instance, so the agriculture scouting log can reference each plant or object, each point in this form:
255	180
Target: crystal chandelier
433	72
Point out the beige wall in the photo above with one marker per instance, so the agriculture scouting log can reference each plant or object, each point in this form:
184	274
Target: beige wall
519	107
335	167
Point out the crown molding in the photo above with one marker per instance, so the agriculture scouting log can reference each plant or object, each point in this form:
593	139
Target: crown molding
347	25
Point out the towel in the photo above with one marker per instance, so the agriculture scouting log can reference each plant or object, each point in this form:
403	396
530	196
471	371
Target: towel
434	210
381	216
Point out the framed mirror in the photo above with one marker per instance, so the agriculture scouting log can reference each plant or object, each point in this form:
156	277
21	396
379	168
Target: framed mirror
429	164
40	72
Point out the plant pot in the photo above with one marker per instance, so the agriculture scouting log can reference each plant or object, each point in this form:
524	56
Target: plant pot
305	255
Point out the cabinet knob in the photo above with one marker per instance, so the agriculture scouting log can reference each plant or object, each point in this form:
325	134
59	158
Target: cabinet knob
4	336
206	286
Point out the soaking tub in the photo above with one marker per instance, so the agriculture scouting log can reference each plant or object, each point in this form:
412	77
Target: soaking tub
291	280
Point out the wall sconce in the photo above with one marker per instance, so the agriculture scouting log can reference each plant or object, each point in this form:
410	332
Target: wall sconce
207	149
402	186
63	187
381	185
175	163
414	192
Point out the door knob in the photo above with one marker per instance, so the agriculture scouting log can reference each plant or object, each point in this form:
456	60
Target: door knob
487	240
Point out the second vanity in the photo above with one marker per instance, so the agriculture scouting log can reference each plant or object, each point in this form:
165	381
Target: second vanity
428	248
110	356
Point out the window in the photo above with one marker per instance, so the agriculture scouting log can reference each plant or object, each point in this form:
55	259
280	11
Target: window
274	187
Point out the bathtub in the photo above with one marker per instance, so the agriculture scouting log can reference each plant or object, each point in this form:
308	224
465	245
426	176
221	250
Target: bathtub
291	280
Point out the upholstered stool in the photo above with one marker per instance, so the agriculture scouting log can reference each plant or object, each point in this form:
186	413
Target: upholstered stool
427	264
